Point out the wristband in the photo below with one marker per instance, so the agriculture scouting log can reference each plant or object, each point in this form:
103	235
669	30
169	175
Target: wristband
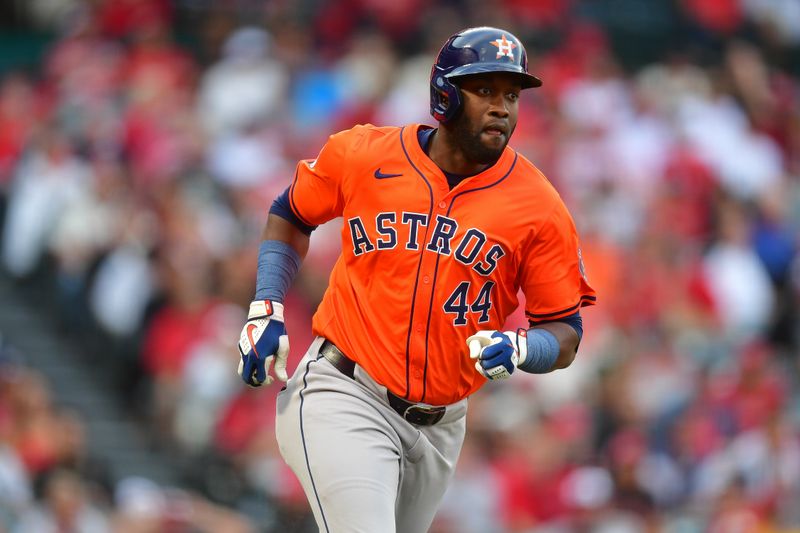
543	349
278	264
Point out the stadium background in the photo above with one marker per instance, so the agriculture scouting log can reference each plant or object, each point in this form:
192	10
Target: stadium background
142	141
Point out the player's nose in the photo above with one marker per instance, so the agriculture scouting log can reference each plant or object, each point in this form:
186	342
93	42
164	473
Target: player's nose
499	112
498	107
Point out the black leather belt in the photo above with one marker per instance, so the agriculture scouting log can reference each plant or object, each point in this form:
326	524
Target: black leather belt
421	415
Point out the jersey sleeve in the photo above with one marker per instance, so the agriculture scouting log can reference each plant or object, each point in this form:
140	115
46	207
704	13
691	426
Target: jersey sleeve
553	276
315	195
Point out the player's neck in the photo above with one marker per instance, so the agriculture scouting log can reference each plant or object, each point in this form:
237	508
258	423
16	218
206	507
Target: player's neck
449	157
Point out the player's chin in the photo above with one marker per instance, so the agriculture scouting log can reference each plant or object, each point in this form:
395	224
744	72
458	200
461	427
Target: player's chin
494	140
492	146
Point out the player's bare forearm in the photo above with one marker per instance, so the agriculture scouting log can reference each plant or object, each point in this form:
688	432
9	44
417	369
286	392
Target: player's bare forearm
567	342
280	229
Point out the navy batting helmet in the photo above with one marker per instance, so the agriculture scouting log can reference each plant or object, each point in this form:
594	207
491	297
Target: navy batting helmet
475	51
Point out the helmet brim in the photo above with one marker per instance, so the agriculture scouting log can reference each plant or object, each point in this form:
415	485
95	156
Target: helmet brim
528	81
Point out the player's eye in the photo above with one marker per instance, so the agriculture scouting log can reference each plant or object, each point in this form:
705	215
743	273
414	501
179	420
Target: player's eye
484	91
513	96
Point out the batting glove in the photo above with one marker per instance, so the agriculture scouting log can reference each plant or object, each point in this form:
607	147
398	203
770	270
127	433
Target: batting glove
497	354
263	339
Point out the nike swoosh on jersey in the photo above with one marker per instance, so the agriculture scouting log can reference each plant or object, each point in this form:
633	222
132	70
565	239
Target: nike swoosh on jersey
381	176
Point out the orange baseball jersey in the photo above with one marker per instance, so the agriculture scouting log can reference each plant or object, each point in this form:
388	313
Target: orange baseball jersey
424	267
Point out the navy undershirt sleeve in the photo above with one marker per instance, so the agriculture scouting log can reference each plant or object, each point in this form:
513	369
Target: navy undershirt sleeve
573	320
281	208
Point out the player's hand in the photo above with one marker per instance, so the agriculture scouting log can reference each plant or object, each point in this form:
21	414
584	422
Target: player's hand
263	339
497	354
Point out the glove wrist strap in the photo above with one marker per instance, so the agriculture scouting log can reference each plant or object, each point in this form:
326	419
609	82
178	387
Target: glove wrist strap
265	309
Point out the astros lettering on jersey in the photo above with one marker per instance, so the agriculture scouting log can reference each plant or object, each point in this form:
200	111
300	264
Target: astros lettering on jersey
449	264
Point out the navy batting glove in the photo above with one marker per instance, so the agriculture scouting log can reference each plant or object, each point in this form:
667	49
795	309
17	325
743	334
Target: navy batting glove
497	354
263	340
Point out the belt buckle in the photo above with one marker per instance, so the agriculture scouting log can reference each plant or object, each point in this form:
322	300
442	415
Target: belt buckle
419	414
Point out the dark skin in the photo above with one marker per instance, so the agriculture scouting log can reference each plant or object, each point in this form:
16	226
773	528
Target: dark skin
467	145
475	139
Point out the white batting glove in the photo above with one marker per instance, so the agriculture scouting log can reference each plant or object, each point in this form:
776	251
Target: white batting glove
497	354
263	339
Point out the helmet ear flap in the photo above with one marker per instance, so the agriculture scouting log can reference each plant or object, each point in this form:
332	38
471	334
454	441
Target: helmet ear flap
445	98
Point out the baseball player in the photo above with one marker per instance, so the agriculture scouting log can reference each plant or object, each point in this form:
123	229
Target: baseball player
442	228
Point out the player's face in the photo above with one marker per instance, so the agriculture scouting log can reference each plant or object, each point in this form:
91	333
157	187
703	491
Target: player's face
489	115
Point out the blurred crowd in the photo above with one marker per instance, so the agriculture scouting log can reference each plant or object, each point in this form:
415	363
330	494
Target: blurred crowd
137	166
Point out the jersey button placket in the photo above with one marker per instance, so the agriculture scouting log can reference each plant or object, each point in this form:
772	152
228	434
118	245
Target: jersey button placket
419	338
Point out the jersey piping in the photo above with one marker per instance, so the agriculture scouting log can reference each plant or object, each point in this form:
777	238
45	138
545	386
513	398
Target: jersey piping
568	310
416	279
293	204
436	268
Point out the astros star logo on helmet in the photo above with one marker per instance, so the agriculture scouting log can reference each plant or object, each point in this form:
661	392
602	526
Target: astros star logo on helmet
504	47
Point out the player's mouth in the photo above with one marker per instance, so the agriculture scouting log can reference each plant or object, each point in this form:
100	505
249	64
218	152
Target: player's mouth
496	130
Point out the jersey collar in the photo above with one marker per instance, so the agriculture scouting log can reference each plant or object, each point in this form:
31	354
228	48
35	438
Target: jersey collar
426	165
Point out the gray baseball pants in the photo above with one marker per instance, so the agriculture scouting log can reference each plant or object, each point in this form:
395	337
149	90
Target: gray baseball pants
363	467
